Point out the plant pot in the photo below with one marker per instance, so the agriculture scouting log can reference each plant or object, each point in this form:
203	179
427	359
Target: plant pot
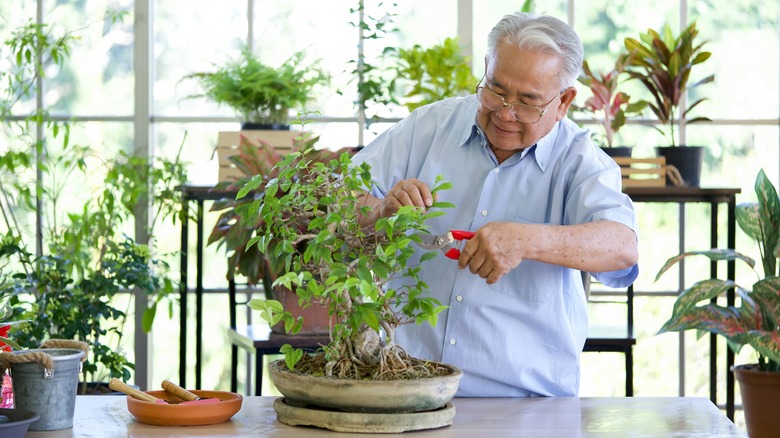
760	398
249	126
372	396
618	151
315	317
52	394
686	159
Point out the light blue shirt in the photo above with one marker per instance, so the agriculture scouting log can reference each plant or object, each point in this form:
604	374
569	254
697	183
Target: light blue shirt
522	336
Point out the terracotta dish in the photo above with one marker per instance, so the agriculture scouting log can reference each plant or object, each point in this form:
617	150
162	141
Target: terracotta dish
175	414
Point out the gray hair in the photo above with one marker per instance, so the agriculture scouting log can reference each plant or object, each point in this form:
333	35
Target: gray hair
540	33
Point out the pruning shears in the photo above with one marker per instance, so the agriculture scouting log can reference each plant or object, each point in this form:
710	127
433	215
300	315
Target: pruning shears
448	242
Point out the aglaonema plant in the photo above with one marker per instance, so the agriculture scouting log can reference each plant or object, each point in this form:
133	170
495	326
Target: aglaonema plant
329	258
755	320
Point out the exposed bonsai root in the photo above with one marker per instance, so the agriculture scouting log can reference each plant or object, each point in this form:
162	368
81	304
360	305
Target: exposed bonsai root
395	365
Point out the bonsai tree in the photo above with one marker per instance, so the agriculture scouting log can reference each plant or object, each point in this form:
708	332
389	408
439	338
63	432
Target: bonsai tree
431	74
343	265
606	104
756	320
663	63
257	160
258	93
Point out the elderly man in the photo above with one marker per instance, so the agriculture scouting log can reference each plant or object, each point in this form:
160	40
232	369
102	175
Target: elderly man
545	205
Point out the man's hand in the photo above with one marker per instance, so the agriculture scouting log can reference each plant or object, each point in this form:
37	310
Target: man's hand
499	247
406	192
410	191
494	250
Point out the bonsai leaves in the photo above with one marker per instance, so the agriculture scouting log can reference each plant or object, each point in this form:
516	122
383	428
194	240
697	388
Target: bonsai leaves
311	212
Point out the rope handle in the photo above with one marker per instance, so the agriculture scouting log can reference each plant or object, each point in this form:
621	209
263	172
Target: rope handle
8	359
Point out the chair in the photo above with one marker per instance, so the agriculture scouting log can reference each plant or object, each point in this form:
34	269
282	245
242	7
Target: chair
614	338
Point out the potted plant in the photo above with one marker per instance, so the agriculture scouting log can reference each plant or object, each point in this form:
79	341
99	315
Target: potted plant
607	105
663	63
756	321
256	159
348	268
261	95
431	74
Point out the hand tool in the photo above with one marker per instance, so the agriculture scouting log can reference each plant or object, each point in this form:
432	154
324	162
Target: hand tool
448	242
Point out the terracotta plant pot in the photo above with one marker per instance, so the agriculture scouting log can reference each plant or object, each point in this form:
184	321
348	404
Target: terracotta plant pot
315	316
760	399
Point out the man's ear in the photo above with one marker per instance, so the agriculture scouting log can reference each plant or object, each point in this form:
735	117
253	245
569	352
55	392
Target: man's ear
567	98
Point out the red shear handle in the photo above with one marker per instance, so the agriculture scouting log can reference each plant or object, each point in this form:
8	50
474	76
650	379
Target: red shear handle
454	253
461	235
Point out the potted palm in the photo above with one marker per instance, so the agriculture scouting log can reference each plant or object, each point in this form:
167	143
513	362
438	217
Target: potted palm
663	64
609	106
348	268
755	322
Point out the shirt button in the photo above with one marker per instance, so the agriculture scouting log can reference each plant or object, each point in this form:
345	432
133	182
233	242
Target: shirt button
496	170
459	298
452	341
484	212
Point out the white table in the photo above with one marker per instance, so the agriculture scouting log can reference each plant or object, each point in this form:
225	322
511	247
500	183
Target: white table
107	417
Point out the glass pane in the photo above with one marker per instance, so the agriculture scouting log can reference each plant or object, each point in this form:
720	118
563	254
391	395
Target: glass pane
97	78
727	148
189	38
740	33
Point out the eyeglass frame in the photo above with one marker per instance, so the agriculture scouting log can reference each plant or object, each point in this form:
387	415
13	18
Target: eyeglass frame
518	102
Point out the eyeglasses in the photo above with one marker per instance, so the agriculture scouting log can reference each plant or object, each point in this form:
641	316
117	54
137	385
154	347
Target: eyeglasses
522	112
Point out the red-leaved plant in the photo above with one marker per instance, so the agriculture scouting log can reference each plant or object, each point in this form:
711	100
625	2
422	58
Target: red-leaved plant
608	105
755	321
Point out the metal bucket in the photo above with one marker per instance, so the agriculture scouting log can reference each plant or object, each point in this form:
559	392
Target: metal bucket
52	395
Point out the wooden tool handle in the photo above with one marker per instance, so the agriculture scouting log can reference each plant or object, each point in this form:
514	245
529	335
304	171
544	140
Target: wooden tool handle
178	391
118	385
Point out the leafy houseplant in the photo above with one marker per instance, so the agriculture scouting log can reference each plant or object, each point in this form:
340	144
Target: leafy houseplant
433	73
63	274
756	321
663	63
608	105
258	93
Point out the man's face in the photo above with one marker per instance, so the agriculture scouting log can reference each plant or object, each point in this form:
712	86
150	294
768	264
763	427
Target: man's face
524	76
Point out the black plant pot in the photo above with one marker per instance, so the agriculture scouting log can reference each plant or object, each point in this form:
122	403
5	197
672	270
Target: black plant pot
618	151
249	126
686	159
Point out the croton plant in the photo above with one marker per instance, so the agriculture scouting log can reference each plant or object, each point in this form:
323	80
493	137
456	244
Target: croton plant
608	105
755	320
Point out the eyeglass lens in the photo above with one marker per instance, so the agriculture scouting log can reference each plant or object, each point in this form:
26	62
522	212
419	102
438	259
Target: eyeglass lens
494	102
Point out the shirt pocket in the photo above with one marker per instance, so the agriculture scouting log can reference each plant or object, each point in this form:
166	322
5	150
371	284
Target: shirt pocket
531	281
